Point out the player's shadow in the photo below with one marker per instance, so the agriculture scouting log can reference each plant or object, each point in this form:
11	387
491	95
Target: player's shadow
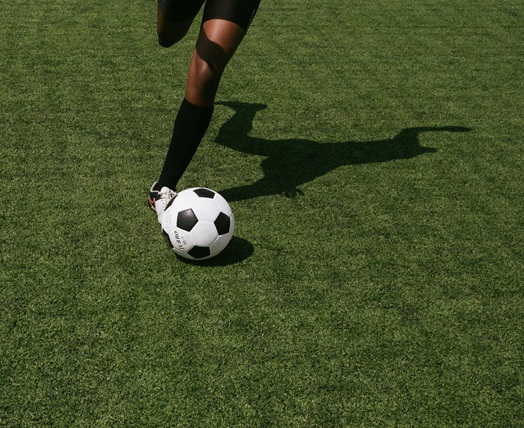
291	163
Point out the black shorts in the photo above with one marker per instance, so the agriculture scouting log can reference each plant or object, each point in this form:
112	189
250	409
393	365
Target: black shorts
240	12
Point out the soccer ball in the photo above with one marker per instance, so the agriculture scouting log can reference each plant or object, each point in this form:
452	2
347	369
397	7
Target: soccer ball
198	223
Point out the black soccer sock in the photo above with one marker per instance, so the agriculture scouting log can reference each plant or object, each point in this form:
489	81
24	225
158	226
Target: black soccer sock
191	124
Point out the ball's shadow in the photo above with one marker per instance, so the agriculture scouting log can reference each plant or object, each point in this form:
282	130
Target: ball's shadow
238	250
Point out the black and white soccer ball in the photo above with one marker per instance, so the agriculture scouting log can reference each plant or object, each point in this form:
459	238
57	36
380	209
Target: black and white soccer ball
198	223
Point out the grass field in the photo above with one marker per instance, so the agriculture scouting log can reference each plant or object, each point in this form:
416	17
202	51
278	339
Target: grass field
372	153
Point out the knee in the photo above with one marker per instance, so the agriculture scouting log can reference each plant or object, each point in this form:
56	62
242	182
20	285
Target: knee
167	40
204	74
202	83
169	33
205	70
165	43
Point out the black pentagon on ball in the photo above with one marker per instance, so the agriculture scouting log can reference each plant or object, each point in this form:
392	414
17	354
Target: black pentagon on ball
186	220
223	224
199	252
204	193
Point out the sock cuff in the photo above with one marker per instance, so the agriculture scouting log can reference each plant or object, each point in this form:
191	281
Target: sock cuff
193	109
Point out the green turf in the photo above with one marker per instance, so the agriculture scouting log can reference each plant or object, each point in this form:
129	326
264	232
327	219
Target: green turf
376	276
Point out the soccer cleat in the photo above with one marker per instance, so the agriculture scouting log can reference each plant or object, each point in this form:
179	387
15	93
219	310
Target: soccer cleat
158	200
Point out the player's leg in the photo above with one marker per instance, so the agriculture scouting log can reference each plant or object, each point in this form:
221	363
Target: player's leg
216	44
224	25
174	18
